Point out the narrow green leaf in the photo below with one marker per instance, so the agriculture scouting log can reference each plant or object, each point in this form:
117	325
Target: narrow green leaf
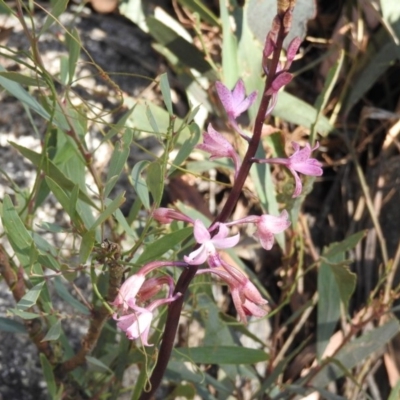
30	298
201	8
187	148
59	7
336	284
118	159
73	43
63	292
51	170
139	183
155	181
87	245
166	92
98	365
23	96
296	111
18	236
395	393
220	355
24	314
112	206
22	79
161	246
152	121
229	47
48	376
54	332
186	52
353	353
323	97
9	325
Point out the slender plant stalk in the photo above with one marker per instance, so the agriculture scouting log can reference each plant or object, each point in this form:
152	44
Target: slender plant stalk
175	308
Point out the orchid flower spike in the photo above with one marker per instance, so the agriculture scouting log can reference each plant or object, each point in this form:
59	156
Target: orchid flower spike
215	144
209	245
235	102
300	161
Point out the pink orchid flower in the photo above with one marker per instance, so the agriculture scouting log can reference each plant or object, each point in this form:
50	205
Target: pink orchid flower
235	102
137	323
128	291
268	225
209	245
246	297
299	161
166	215
215	144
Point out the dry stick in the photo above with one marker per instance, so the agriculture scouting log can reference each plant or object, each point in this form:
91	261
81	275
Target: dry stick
175	308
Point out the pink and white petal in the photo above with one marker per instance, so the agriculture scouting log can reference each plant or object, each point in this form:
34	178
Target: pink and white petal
200	232
312	167
250	292
298	185
266	239
253	309
225	95
237	301
197	257
227	242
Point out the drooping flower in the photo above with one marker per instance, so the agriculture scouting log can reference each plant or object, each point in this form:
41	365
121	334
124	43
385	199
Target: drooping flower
215	144
235	102
137	321
246	298
128	291
209	245
136	324
268	225
166	215
299	161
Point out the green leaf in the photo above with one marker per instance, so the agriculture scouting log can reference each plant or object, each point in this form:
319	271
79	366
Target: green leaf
96	364
17	234
155	181
112	206
63	292
161	246
118	159
395	393
30	298
229	48
336	284
54	332
52	171
23	96
22	79
73	43
139	183
186	52
87	245
323	97
353	353
9	325
200	8
59	7
24	314
152	120
187	148
296	111
166	92
220	355
48	376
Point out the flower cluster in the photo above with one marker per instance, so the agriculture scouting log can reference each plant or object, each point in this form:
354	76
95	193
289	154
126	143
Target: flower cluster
139	296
